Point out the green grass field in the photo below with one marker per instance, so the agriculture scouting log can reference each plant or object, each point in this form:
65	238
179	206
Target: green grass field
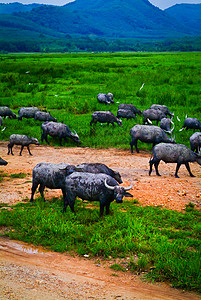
166	243
67	85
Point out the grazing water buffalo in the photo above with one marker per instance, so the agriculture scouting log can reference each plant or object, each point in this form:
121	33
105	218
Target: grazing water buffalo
58	130
166	124
44	116
98	168
105	117
105	98
27	112
23	140
195	141
125	113
170	153
191	123
93	187
153	115
163	108
3	162
148	134
130	107
51	176
5	111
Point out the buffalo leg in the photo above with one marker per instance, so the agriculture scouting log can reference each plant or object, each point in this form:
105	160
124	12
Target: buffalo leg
44	136
64	193
189	170
107	208
9	149
33	189
29	150
177	169
156	167
41	190
21	150
92	121
101	209
65	204
151	165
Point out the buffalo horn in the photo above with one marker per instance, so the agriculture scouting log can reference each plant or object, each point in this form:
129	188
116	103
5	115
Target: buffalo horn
129	187
108	186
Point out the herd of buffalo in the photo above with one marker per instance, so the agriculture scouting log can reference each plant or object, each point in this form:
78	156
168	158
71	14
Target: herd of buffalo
95	181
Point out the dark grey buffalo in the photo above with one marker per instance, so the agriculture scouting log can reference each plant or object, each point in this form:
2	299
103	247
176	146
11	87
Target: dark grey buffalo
191	123
176	153
93	187
125	113
105	98
163	108
23	140
166	125
148	134
44	116
5	111
195	141
152	115
98	168
3	162
130	107
58	130
105	117
27	112
49	175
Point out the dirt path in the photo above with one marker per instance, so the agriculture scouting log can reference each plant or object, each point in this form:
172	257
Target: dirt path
33	273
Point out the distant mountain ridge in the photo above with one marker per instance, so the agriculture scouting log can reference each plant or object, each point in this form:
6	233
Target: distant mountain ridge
10	8
108	19
188	14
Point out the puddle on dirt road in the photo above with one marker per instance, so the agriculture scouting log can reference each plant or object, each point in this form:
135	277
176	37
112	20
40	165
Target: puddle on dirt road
21	247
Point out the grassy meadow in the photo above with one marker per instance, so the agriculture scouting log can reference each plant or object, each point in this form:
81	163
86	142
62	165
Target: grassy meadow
163	245
67	86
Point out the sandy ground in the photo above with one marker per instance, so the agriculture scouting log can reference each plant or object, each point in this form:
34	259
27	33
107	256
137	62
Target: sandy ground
27	272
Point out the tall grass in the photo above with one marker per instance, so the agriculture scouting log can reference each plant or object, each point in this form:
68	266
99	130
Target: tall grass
67	86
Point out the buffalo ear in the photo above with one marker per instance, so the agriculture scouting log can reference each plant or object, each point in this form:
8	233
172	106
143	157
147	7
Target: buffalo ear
128	195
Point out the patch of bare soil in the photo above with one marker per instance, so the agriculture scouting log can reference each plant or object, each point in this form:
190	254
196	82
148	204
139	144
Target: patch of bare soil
32	273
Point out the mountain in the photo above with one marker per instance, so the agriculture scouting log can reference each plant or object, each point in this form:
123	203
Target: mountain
16	7
100	18
189	14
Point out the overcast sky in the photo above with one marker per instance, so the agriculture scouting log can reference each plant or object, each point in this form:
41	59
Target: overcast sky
160	3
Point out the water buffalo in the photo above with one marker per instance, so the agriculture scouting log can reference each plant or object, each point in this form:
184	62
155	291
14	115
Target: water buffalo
58	130
23	140
3	162
148	134
195	141
98	168
105	117
44	116
173	153
153	115
125	113
49	175
166	124
163	108
130	107
191	123
5	111
93	187
105	98
27	112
